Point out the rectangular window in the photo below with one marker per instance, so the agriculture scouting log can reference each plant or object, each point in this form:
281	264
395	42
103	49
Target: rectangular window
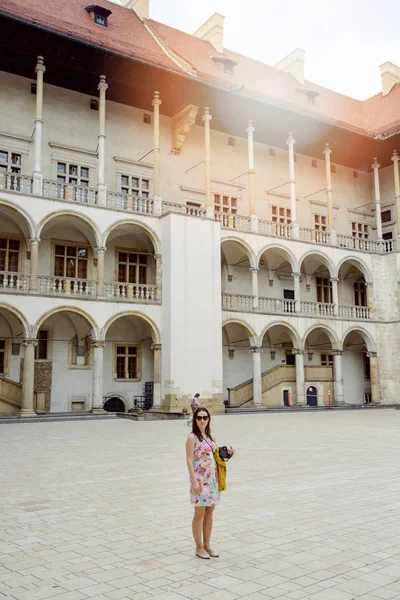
10	162
70	261
73	174
2	357
80	352
132	267
288	294
138	187
360	296
367	367
320	223
386	216
127	361
359	230
326	360
281	215
290	359
9	255
324	290
41	350
225	204
388	235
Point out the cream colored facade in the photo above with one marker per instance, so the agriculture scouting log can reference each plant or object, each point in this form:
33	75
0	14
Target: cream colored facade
196	261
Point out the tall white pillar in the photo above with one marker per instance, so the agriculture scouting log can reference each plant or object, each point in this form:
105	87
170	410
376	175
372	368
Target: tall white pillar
378	217
207	161
28	381
254	284
97	376
335	295
156	375
338	376
375	390
395	159
101	188
296	283
331	226
156	154
37	173
257	378
34	246
100	270
292	184
300	389
251	172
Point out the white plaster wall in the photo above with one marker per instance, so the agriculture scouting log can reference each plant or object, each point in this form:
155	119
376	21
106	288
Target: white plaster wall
354	382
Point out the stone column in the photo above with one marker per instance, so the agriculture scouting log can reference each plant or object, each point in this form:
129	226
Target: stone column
300	396
157	258
331	226
378	217
97	376
251	172
101	188
292	184
395	159
369	290
37	173
34	246
375	390
335	295
257	378
207	161
156	155
296	282
100	270
338	376
156	375
254	283
28	382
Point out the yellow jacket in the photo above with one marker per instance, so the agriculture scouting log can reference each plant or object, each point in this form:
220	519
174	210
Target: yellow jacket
221	466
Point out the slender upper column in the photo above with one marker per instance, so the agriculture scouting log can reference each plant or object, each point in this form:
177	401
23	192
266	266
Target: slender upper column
157	374
395	159
37	173
250	145
296	283
257	383
338	376
100	270
157	258
156	149
102	192
97	376
34	245
327	153
28	381
300	395
254	284
335	295
207	158
378	217
292	184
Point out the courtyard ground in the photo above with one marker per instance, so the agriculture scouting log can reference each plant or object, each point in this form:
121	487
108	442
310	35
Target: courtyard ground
100	509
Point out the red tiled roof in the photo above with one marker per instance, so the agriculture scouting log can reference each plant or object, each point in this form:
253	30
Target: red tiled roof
184	53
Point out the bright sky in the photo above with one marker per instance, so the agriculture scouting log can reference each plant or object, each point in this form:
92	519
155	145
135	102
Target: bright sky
345	40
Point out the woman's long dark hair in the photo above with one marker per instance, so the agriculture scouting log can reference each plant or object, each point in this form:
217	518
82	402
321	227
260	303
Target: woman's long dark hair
195	427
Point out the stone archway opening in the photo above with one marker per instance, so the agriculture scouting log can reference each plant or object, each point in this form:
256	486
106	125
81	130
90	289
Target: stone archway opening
318	287
115	405
357	368
14	245
277	285
12	335
353	291
237	339
319	360
236	276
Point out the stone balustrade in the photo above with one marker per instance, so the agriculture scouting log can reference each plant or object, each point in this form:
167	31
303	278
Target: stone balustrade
69	192
355	312
314	236
276	305
13	282
320	309
15	182
130	291
66	286
121	201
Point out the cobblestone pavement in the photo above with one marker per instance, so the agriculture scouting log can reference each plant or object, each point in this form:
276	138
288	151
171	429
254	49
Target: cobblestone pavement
100	509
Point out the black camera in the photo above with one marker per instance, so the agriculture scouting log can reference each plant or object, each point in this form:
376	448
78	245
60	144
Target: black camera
223	453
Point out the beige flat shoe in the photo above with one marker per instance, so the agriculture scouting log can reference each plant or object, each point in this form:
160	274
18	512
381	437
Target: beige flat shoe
212	553
203	554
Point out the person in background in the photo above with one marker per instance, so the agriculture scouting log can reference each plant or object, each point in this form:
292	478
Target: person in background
195	404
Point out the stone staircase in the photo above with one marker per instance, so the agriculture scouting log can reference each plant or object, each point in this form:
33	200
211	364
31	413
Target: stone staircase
241	396
10	396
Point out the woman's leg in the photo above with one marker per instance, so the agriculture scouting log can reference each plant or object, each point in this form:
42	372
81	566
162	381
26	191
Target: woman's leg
207	526
197	526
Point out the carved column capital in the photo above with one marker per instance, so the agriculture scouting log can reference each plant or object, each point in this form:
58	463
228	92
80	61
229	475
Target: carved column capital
395	157
375	164
156	347
39	65
290	140
256	349
102	85
250	128
101	249
98	343
254	269
337	352
327	152
156	100
34	241
298	351
372	354
206	117
29	342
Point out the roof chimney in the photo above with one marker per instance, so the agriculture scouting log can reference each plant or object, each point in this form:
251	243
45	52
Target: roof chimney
141	7
390	76
293	63
213	31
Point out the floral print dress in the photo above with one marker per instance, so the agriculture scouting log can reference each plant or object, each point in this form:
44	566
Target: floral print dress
206	473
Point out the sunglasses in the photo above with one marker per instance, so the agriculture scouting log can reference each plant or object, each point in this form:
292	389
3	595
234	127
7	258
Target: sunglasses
201	418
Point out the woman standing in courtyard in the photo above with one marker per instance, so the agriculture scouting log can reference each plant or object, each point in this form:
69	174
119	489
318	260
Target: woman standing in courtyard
203	472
